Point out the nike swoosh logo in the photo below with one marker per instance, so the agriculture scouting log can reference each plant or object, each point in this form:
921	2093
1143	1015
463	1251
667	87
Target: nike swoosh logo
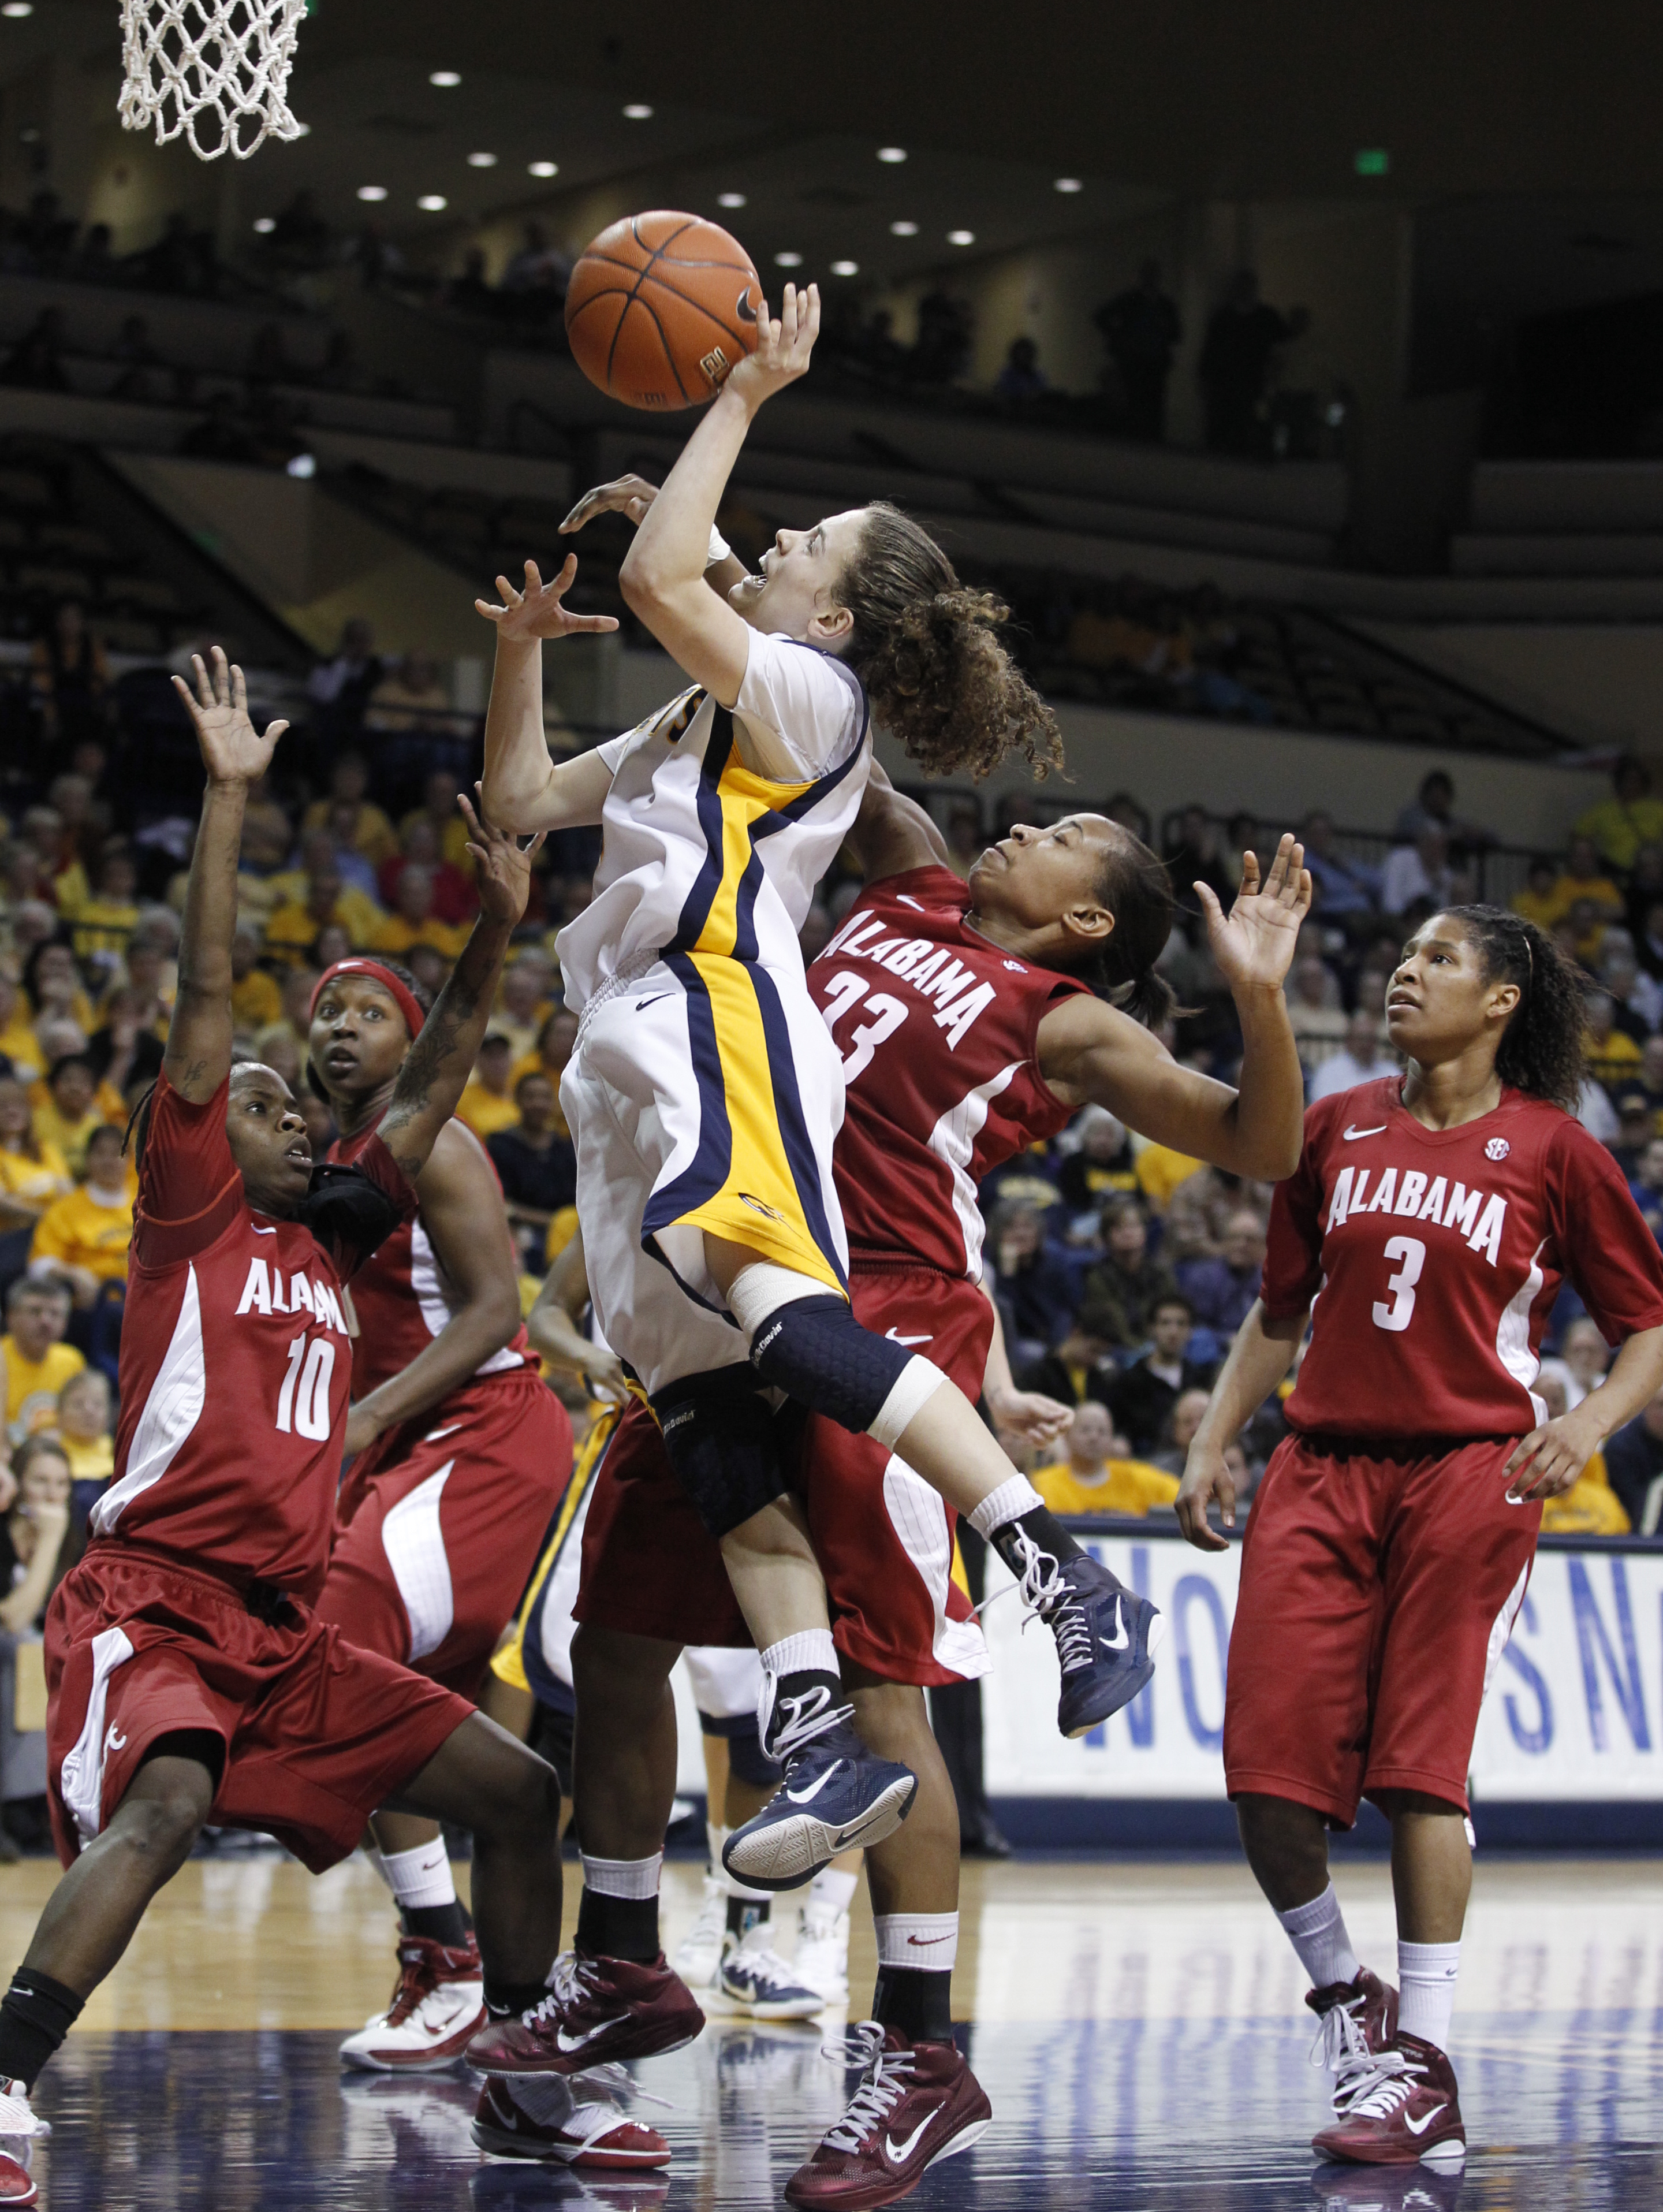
802	1796
898	2154
258	1231
1351	1135
433	1435
895	1339
923	1941
1419	2127
1121	1639
641	1003
563	2041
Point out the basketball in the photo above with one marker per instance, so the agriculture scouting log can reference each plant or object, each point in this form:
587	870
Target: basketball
660	308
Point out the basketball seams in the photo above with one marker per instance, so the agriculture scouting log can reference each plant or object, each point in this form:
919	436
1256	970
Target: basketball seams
629	283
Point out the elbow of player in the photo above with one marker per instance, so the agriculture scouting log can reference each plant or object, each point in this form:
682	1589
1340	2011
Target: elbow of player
644	583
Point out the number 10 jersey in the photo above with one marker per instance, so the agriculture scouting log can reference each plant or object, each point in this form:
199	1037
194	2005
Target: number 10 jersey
1435	1256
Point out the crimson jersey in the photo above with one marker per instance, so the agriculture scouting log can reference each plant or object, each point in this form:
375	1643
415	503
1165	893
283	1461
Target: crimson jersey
938	1030
1435	1256
402	1297
235	1361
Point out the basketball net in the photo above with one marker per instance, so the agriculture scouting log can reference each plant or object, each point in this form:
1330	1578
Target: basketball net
213	71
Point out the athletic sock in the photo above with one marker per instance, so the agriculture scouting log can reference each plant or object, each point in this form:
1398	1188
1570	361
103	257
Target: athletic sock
715	1835
746	1912
1426	1990
1317	1932
910	1996
425	1890
802	1692
618	1911
36	2014
1015	1511
833	1889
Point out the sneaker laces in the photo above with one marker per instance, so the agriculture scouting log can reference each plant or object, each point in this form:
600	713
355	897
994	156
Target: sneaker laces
889	2077
570	1982
785	1742
1382	2085
755	1954
18	2123
612	2080
1339	2041
1050	1598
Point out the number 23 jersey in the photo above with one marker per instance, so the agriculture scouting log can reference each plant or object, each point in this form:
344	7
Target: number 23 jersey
1435	1256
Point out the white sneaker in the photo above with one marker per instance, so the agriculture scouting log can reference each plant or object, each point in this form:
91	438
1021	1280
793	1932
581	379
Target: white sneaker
823	1951
699	1954
437	2005
754	1978
20	2128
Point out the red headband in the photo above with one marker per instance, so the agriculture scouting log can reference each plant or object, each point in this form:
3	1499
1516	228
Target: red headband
373	972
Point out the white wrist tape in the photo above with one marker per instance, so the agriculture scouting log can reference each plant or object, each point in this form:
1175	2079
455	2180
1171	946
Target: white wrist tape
718	549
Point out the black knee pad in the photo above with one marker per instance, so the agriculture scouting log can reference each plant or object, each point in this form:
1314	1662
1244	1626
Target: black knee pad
818	1352
720	1435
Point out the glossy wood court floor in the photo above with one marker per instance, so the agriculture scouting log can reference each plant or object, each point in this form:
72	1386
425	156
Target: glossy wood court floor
1138	2027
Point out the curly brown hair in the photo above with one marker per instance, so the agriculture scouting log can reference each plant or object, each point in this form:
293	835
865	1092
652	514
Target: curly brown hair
927	649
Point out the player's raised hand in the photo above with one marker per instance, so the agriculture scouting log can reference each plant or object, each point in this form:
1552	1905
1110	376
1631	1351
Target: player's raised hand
1206	1477
1253	943
783	348
538	610
631	496
232	750
502	865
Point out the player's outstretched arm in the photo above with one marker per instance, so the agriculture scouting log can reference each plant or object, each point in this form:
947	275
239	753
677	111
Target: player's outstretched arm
1261	1355
1088	1052
524	790
198	1055
1026	1417
437	1066
663	574
552	1325
631	497
893	833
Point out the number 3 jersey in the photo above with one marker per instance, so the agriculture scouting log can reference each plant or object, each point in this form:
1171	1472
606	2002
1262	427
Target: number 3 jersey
1435	1256
236	1365
937	1028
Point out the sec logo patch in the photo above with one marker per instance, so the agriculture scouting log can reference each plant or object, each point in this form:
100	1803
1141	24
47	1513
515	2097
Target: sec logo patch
1497	1148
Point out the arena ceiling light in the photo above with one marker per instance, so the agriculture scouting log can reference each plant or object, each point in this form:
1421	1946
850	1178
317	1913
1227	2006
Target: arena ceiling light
372	191
265	224
960	238
788	260
730	200
543	168
638	111
447	80
845	268
1069	185
18	8
892	152
482	160
432	202
903	230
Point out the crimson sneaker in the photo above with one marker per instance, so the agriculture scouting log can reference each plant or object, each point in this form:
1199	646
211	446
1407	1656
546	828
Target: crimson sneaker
566	2123
1399	2107
918	2102
20	2130
16	2188
597	2009
437	2005
1358	2017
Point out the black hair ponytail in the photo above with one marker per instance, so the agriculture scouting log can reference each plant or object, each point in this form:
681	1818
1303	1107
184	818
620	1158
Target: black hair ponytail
1541	1049
1135	887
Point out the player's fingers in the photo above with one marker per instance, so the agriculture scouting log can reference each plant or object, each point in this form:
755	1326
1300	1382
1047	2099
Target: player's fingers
491	614
239	690
1250	874
273	730
1306	892
511	597
1210	905
204	688
186	693
591	621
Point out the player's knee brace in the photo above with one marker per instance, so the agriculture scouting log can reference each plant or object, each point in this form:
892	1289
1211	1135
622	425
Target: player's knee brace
805	1341
719	1434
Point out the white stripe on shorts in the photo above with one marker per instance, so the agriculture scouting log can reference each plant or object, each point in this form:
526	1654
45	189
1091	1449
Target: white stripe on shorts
919	1520
81	1778
415	1546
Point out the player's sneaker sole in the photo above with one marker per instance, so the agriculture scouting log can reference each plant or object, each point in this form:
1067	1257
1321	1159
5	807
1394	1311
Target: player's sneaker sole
450	2051
789	1851
18	2187
503	2130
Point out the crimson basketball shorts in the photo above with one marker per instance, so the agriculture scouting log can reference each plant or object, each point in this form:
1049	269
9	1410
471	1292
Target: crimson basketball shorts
439	1524
885	1538
316	1733
1377	1597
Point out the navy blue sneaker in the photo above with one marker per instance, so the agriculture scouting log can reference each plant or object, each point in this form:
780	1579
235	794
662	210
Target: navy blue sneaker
836	1796
1106	1635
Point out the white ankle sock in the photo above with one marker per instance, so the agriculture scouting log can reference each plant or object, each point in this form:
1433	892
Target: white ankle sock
1317	1932
833	1889
811	1651
421	1877
715	1835
622	1877
1008	1502
925	1942
1426	1990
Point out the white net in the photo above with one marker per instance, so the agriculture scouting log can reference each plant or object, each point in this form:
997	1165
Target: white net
213	71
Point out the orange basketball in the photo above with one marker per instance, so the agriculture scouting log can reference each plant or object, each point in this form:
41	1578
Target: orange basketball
660	308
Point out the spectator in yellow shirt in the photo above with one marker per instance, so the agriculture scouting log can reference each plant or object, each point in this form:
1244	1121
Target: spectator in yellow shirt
1098	1476
371	831
1539	901
1612	1053
106	921
293	930
415	921
488	1103
36	1361
71	1104
85	1429
16	1036
1582	878
556	1042
32	1174
82	1239
523	1006
439	806
1160	1170
1620	825
55	989
256	1001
